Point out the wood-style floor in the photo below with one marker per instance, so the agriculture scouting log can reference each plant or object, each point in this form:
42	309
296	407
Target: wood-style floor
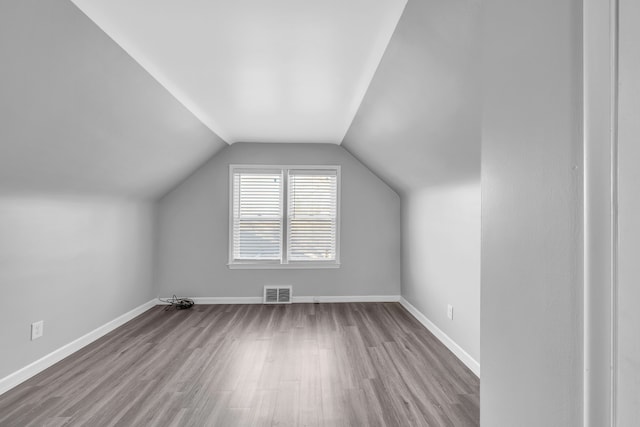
360	364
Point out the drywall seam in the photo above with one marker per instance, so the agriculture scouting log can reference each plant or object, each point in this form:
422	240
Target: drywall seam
458	351
21	375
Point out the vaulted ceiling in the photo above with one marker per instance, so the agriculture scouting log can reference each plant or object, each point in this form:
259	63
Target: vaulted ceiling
133	105
255	70
419	124
77	114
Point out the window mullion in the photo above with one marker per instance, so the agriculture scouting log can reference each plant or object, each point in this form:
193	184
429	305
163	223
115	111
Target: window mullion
285	216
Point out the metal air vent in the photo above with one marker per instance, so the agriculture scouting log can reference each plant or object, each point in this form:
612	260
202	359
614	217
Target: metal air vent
277	295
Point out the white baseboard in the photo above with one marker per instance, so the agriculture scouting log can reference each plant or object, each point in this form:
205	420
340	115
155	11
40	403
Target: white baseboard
18	377
227	300
355	298
460	353
295	300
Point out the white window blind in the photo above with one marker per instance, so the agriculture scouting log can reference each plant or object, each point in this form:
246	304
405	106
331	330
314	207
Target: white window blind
257	215
312	215
284	216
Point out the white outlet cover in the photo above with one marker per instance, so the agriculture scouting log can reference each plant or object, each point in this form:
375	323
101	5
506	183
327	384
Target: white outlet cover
37	329
450	311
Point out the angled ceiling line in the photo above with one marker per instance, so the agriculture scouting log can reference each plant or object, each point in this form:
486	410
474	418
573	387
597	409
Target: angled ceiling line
254	71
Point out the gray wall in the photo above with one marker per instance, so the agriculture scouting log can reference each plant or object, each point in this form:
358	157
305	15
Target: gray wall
74	262
629	218
78	114
531	331
441	259
419	128
193	231
82	125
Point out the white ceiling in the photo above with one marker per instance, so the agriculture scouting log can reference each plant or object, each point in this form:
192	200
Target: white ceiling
255	70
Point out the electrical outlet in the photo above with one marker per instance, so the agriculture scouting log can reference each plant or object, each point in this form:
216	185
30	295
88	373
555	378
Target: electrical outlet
37	329
450	311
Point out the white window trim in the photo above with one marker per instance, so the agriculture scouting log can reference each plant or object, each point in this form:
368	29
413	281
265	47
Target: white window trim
285	264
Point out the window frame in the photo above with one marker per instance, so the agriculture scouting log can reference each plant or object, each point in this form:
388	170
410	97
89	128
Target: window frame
284	262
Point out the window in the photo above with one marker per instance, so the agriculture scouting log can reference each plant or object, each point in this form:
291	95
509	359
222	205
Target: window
284	216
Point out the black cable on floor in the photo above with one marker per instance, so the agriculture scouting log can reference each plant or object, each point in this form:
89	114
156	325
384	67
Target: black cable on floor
178	303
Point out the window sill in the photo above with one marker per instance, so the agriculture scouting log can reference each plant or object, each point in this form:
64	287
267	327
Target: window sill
292	266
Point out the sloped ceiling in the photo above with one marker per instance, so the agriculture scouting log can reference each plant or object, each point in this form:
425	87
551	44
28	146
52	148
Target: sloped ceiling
78	114
255	70
419	123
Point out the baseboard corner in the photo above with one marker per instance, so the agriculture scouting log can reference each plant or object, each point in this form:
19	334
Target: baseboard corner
455	348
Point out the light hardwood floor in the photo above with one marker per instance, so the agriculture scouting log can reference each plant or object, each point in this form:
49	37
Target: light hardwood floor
355	364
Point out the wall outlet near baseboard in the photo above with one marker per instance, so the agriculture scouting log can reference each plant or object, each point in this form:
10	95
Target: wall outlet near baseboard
37	329
450	311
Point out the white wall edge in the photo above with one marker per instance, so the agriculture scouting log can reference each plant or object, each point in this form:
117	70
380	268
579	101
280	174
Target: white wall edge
21	375
458	351
600	212
295	299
